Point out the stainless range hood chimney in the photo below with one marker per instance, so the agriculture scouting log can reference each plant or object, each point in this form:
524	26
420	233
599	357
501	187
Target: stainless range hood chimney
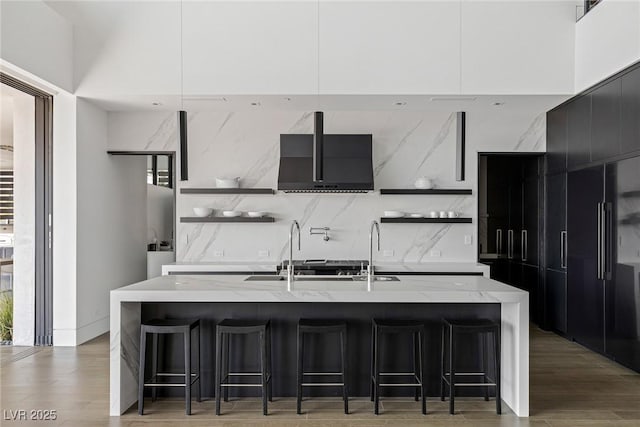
318	135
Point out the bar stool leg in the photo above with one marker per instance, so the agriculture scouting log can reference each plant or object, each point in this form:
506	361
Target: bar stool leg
300	370
269	365
343	355
143	350
376	363
420	364
154	365
199	365
496	341
483	342
218	373
187	371
452	371
414	336
442	361
263	365
226	338
373	361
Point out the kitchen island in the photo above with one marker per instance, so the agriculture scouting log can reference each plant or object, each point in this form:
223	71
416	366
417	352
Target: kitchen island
216	296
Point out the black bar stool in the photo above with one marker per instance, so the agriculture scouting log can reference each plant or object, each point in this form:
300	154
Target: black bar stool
318	326
454	329
396	326
224	330
163	379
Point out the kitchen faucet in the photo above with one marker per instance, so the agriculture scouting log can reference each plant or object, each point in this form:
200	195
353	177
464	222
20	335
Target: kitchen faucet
370	271
290	271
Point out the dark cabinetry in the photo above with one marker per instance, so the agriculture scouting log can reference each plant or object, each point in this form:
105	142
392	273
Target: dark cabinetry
630	112
556	300
578	131
555	297
605	121
557	140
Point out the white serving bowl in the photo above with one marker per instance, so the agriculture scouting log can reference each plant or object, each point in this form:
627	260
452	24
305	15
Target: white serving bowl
202	212
231	214
393	214
256	214
228	182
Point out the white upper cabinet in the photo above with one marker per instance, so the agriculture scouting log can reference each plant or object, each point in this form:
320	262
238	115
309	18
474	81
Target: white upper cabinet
250	47
518	47
391	47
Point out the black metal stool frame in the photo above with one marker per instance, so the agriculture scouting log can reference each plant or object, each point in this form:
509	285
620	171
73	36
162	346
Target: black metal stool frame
418	331
467	327
164	327
224	330
313	326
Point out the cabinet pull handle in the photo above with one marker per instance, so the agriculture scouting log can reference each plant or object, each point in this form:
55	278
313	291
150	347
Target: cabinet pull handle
510	244
499	241
563	249
523	245
599	231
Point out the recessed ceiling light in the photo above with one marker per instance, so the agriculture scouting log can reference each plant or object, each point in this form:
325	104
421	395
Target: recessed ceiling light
497	104
156	103
255	104
286	98
399	103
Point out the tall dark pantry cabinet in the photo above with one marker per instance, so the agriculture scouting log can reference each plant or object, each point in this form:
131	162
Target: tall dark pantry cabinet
592	219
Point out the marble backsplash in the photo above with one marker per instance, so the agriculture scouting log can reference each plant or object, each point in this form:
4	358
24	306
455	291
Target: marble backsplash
407	145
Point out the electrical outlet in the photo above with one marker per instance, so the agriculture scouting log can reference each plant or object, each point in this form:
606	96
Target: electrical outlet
218	253
263	253
387	252
435	253
467	239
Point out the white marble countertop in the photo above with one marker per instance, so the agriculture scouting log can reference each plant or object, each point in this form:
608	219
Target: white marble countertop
247	266
234	288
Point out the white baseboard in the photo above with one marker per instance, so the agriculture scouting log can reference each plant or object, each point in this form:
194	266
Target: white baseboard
75	337
64	337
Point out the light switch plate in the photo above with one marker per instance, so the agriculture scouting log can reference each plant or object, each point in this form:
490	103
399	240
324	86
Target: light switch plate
388	252
263	253
435	253
467	239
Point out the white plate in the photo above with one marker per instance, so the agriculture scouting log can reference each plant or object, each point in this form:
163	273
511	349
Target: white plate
393	214
231	214
416	215
256	214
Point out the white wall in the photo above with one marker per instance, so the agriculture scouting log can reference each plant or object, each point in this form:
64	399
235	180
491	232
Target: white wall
24	214
407	145
607	40
159	213
37	39
111	221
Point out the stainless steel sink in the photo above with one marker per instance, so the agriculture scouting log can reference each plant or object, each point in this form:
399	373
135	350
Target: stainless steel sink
322	278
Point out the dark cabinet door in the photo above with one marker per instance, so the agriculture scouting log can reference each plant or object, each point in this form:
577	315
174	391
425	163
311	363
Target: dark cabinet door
579	132
622	265
605	121
556	300
530	216
585	290
630	112
514	241
555	221
531	283
557	140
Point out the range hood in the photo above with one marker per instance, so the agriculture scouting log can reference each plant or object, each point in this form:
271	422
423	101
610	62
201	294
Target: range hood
325	163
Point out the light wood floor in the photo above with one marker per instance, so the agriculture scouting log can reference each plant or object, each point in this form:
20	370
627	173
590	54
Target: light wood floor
570	386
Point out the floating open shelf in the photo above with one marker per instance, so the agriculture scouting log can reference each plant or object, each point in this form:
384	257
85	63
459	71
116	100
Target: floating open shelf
415	191
227	191
226	219
426	220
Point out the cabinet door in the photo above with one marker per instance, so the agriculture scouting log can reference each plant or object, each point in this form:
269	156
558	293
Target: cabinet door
605	121
531	283
556	300
515	274
555	221
579	132
585	300
557	140
630	112
529	235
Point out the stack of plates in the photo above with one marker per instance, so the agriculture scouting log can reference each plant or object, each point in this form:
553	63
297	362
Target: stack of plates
393	214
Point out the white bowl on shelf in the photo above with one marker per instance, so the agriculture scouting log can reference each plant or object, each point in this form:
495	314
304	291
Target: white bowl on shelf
202	211
393	214
416	215
228	182
256	214
231	214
